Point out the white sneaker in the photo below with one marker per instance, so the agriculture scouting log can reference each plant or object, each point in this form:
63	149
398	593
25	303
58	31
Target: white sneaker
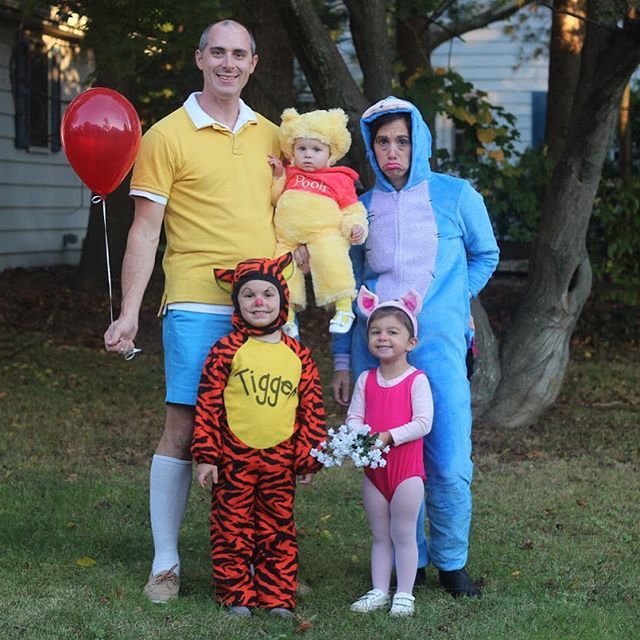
341	322
403	605
374	599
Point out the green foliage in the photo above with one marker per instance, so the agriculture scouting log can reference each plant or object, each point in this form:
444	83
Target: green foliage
514	192
146	51
485	132
614	232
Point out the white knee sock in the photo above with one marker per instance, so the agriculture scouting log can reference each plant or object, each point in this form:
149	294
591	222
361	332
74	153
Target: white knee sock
169	484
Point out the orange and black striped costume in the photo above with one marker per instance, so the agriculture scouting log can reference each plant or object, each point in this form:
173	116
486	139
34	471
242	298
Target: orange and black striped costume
258	415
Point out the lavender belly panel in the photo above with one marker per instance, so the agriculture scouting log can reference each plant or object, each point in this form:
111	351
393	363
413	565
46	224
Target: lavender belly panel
403	241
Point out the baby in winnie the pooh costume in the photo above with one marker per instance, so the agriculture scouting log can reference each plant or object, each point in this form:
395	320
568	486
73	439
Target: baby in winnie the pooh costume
317	205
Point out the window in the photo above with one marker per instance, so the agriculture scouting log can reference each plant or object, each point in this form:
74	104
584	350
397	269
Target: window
538	117
36	75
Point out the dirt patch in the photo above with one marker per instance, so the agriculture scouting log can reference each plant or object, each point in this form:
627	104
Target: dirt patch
49	301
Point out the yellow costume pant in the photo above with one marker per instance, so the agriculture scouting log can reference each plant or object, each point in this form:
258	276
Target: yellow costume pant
331	271
317	222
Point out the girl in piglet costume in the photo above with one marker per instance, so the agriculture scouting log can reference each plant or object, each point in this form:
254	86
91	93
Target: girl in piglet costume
395	401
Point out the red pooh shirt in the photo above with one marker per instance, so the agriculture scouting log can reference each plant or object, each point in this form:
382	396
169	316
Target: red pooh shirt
337	183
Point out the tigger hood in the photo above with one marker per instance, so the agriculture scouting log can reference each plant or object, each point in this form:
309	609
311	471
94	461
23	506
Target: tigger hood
273	271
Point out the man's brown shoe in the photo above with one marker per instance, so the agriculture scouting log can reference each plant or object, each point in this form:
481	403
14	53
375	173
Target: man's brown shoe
163	587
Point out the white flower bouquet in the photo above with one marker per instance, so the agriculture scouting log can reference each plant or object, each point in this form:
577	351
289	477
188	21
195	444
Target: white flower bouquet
352	442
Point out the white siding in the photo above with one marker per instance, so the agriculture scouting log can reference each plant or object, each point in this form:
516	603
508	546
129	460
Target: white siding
502	66
44	206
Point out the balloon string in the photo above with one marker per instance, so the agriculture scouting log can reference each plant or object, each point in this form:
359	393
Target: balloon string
96	200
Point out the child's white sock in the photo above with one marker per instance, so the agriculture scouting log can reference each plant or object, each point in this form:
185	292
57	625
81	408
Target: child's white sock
169	484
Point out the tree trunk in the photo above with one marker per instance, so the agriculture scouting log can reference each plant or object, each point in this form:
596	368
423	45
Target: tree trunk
486	371
368	22
270	89
92	270
536	351
567	37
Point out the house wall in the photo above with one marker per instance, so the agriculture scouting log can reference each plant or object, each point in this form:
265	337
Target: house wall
43	204
503	66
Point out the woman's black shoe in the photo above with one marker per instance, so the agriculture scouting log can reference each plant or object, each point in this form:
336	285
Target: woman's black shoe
459	584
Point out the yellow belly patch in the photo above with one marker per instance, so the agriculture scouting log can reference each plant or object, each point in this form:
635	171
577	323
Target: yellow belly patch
261	397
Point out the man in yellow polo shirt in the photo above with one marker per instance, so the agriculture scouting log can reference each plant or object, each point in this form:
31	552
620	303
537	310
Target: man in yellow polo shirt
203	172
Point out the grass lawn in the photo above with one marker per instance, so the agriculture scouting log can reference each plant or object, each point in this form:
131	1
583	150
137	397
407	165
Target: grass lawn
555	535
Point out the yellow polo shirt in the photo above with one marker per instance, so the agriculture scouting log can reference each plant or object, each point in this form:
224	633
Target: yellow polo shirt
217	188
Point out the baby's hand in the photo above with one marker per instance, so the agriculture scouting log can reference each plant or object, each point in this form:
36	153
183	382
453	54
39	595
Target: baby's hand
276	165
206	474
357	234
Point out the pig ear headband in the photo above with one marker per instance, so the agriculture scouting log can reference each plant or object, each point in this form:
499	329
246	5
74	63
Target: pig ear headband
410	303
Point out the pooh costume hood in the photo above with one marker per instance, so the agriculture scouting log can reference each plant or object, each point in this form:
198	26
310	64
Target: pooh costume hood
330	127
318	208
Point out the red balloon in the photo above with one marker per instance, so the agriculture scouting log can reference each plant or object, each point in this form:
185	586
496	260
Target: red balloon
101	135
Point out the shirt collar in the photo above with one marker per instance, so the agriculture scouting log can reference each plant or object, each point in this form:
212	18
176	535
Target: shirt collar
201	119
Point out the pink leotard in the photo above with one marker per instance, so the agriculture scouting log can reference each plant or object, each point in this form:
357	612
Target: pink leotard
386	408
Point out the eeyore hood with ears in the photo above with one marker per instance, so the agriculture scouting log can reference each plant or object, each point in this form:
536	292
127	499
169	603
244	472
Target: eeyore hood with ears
420	140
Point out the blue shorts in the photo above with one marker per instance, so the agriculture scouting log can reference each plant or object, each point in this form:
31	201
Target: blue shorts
187	337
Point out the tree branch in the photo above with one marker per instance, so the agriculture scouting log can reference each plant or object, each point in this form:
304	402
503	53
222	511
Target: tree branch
500	10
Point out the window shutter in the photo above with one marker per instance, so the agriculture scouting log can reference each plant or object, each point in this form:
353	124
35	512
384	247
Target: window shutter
22	97
538	117
55	104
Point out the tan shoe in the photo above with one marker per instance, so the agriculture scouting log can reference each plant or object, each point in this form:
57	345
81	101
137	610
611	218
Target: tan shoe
163	587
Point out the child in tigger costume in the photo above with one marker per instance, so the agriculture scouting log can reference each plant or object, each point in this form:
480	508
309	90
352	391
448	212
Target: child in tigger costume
317	205
259	413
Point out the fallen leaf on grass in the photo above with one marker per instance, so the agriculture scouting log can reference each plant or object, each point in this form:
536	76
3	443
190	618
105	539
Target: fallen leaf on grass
515	574
305	625
85	562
